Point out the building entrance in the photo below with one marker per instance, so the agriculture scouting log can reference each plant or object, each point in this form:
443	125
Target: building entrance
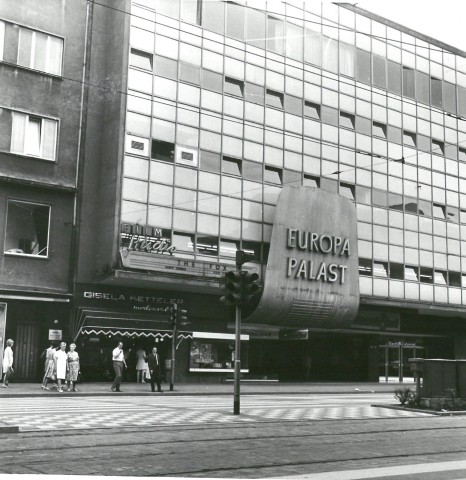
393	360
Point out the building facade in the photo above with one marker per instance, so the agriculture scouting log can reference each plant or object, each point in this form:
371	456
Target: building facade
199	116
41	57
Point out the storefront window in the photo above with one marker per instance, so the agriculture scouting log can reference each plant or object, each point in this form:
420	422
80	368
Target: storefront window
216	353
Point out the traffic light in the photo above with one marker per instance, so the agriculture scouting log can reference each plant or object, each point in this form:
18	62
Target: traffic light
232	288
250	287
173	315
182	317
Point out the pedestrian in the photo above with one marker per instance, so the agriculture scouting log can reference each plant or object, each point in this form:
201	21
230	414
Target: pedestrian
119	362
141	365
155	370
7	362
60	358
49	367
72	368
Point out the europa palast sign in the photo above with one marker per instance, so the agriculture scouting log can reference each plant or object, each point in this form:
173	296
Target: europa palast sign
314	242
312	274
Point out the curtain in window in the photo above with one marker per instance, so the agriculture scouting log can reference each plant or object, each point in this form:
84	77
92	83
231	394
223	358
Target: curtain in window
461	100
312	52
330	54
168	7
41	225
32	136
347	59
18	131
294	42
449	97
49	139
40	52
213	16
2	38
55	55
364	66
25	47
235	21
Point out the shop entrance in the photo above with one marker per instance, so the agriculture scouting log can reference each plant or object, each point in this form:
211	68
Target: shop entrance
393	360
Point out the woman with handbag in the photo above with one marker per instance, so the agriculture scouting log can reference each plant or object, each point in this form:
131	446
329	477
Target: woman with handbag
7	362
49	372
72	368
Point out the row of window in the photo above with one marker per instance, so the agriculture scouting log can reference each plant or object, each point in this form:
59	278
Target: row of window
258	172
338	57
30	48
398	271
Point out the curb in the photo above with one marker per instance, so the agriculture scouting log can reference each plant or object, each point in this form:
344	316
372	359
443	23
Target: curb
420	410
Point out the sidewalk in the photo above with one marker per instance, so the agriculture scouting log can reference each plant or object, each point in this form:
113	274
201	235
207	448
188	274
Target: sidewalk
246	388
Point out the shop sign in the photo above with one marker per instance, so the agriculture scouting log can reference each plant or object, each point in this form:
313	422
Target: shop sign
135	302
144	238
312	277
55	334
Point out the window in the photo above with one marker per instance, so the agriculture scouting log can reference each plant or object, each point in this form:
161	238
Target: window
438	211
454	279
408	82
347	59
312	110
231	166
165	67
411	273
275	35
436	92
294	105
346	120
190	74
27	229
396	271
234	87
207	246
212	81
409	138
440	277
365	267
310	181
379	71
274	99
29	135
273	175
363	62
140	59
422	88
379	129
394	77
163	150
380	269
38	50
462	154
438	147
191	11
294	42
254	93
347	190
255	28
183	242
235	21
426	275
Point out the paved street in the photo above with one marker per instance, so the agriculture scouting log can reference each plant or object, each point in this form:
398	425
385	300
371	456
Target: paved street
328	436
67	412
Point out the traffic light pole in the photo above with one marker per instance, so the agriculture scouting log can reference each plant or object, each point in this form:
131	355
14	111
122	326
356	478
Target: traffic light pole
172	362
237	374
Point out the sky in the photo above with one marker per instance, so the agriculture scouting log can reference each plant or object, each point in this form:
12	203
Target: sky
443	20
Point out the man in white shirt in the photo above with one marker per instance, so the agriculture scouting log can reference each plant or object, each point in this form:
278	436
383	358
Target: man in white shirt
118	363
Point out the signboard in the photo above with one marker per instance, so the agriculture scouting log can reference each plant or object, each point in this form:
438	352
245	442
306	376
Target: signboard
312	277
55	334
180	266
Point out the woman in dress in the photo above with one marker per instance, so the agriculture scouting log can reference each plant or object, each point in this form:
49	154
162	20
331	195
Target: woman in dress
141	365
49	367
72	368
7	362
60	358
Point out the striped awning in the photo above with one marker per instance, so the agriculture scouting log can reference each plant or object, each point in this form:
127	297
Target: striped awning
133	333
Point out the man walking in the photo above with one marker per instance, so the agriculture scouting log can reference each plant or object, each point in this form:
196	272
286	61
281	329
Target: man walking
155	370
118	363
